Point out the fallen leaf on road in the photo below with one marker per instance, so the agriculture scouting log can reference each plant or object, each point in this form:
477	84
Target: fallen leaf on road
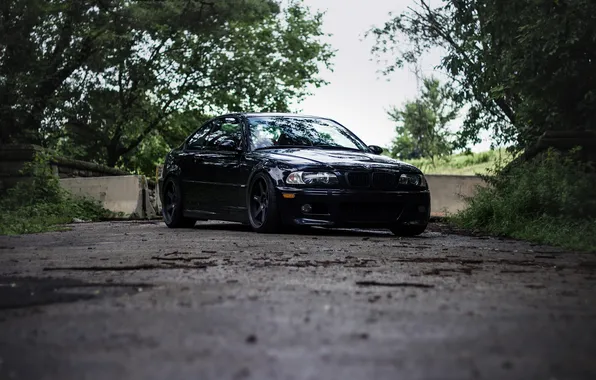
176	253
545	257
329	262
171	258
533	286
471	261
185	259
588	264
394	284
516	271
126	267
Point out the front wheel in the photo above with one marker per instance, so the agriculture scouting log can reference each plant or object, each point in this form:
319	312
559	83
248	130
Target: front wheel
408	230
263	210
172	207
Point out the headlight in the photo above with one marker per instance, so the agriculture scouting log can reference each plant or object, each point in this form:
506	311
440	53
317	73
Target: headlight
311	178
413	180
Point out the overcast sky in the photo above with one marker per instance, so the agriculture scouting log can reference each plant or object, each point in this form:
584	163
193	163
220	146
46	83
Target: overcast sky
358	95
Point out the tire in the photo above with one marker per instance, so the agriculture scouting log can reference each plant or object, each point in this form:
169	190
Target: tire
172	208
262	205
408	230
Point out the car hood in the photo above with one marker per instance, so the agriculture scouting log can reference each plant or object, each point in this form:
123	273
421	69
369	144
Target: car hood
336	159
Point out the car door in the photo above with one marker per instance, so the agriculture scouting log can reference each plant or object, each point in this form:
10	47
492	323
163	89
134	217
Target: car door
224	168
192	175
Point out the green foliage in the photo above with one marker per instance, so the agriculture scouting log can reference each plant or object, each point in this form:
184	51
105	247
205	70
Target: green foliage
39	203
104	82
546	200
422	124
520	66
154	148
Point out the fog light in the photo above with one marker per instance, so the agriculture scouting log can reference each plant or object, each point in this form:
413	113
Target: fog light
421	208
306	208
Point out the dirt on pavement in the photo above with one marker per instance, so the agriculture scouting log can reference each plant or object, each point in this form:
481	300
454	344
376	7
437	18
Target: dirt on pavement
136	300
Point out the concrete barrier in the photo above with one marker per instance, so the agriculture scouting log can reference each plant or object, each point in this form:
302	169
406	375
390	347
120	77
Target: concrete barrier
158	174
14	157
127	194
446	192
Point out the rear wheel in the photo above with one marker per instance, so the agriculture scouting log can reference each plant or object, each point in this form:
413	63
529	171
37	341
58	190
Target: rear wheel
172	210
408	230
263	210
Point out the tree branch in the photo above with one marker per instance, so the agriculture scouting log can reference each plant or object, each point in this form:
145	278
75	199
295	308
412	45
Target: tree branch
433	24
55	77
156	121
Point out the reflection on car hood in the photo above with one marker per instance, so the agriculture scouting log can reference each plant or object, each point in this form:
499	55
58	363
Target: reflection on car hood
338	159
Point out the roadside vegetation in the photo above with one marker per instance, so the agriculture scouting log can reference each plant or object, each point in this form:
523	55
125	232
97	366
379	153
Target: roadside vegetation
481	163
549	199
40	204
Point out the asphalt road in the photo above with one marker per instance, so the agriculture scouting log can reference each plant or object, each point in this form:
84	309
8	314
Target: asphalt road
140	301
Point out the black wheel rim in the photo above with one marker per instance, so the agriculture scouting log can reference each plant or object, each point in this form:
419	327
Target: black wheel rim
170	200
259	203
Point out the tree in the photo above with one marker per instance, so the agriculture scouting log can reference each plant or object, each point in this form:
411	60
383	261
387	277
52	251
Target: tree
521	66
149	61
171	134
44	44
422	129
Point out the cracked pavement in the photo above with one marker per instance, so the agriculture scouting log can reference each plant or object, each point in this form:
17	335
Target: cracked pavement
136	300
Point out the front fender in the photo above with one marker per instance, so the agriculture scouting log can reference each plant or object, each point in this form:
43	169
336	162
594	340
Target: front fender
276	171
171	166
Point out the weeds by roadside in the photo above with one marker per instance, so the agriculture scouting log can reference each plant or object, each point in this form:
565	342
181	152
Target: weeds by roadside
40	204
549	199
464	163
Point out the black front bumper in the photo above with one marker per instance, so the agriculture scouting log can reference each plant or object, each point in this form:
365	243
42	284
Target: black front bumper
353	208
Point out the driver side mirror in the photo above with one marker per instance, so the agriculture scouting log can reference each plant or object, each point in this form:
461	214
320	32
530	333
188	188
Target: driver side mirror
375	149
229	145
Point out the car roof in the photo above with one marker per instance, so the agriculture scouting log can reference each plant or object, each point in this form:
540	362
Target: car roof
270	114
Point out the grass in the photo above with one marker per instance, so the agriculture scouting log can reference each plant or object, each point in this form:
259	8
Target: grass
41	204
547	200
464	164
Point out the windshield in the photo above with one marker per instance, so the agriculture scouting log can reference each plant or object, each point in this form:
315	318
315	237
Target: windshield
284	131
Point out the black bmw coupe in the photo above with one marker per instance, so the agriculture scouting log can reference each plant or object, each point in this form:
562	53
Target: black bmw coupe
271	170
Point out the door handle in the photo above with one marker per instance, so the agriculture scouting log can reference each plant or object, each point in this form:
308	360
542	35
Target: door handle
197	158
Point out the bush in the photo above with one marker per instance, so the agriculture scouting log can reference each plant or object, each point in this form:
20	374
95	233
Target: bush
546	200
39	203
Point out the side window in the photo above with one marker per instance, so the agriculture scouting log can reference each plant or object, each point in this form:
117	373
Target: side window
197	140
224	130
